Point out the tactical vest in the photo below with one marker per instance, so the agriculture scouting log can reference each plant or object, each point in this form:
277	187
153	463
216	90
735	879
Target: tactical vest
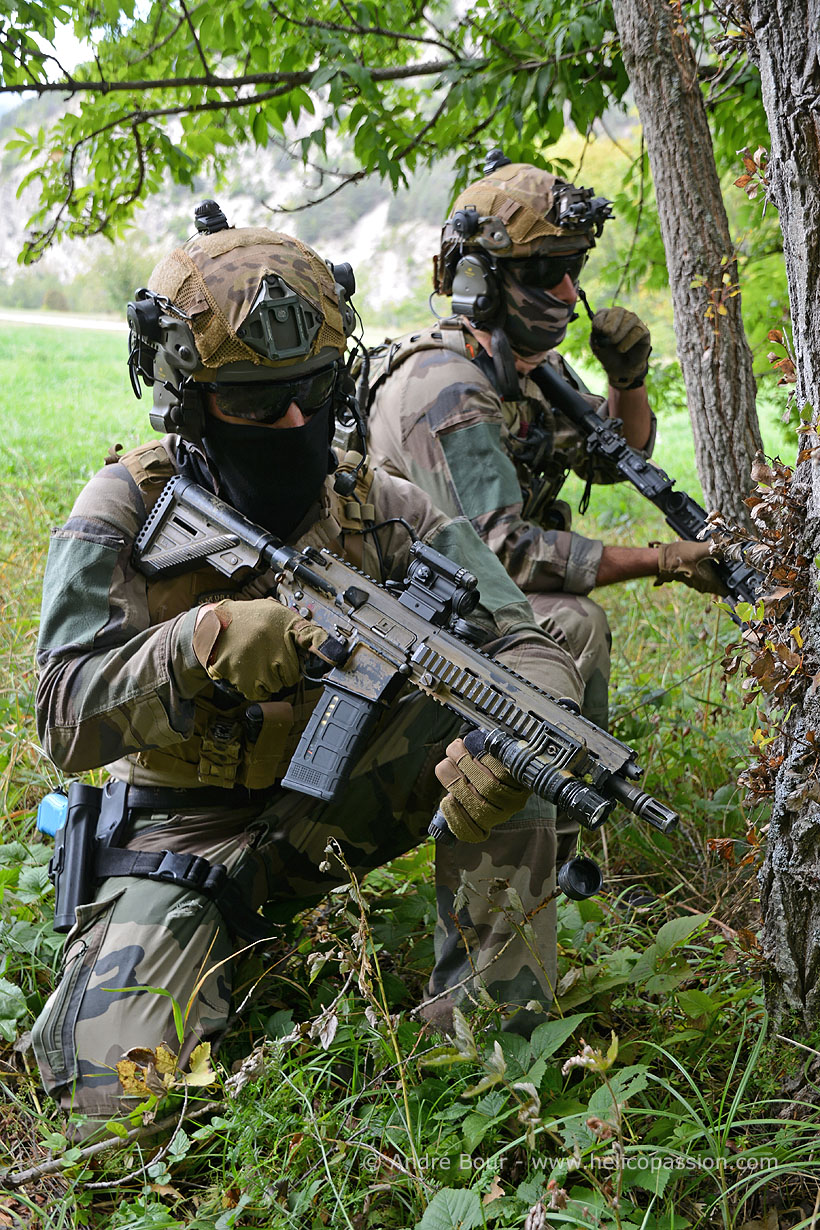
231	744
541	467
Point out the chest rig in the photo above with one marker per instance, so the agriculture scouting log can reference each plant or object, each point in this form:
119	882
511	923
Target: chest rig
541	454
232	743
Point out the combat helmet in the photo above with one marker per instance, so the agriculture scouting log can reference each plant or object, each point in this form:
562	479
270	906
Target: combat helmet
229	309
515	212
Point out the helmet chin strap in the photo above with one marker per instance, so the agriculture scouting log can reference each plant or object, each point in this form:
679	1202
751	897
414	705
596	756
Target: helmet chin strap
504	364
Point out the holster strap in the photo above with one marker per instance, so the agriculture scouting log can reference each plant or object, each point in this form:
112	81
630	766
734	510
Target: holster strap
189	871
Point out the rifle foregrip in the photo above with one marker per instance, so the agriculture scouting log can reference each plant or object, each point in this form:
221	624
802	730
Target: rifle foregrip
333	740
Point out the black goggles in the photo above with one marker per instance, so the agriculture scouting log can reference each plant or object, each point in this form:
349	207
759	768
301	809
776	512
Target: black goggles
544	272
265	401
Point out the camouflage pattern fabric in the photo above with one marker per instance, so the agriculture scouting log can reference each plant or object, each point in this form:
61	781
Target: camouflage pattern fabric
436	419
516	207
119	684
236	261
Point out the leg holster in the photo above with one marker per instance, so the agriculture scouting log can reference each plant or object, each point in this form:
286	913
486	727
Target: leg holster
95	823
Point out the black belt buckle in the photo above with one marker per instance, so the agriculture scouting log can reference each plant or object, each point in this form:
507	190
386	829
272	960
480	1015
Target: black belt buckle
189	870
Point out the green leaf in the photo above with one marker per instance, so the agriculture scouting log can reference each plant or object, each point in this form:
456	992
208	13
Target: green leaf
495	1067
622	1086
260	129
696	1003
452	1210
475	1129
12	1007
33	884
464	1040
677	931
652	1176
55	1141
548	1038
323	75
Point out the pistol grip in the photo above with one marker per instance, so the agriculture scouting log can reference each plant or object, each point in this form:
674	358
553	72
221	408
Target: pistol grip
333	740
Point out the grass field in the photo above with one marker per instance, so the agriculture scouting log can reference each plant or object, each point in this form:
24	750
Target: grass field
674	1114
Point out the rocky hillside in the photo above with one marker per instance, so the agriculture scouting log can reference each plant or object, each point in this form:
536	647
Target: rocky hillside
389	239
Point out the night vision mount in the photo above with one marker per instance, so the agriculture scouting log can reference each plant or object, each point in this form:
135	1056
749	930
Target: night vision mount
578	209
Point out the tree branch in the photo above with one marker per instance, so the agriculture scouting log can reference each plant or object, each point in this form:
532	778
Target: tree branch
197	44
287	81
56	1165
313	23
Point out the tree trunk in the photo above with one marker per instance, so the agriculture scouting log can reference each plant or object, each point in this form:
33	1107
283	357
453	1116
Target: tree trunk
714	355
786	44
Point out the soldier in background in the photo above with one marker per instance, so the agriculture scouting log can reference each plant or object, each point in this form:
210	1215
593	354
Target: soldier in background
454	410
191	691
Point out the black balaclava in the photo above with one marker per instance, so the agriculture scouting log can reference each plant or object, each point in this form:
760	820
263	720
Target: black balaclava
271	475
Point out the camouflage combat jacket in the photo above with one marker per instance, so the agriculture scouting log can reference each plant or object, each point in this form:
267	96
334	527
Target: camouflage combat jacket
120	685
435	418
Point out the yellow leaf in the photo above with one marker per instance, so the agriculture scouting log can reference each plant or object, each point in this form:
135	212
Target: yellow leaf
230	1198
796	633
200	1071
612	1053
132	1083
166	1061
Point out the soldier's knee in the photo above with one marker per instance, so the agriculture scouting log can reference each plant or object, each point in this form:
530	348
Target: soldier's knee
593	625
140	936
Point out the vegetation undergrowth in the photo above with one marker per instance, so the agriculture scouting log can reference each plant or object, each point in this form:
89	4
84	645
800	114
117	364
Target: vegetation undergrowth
651	1098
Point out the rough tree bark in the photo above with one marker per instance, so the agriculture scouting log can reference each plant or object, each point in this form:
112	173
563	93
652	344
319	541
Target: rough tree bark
714	355
785	38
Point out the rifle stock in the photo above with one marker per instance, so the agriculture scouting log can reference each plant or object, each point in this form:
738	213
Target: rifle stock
391	641
682	513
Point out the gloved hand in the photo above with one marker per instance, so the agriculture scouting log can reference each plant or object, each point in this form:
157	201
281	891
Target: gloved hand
480	791
256	646
691	563
622	344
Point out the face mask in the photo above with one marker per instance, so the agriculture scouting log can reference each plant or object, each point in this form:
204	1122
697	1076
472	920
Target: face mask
271	475
536	320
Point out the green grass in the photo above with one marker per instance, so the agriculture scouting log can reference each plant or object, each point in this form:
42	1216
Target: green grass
384	1126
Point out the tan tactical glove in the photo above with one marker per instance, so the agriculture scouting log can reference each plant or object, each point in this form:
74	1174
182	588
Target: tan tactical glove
480	791
258	646
622	344
691	563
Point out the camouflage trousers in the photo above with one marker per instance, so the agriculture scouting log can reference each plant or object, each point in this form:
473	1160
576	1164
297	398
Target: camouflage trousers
580	626
143	944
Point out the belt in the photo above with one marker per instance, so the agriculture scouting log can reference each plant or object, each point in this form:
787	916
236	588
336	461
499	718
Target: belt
167	798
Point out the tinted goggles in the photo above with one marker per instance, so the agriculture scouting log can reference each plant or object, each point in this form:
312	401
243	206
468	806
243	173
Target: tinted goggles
544	272
265	401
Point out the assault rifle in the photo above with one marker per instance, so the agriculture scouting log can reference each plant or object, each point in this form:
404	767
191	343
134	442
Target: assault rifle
682	513
387	640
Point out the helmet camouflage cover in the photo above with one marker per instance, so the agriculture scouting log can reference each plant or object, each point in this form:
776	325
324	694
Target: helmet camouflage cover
520	210
256	299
